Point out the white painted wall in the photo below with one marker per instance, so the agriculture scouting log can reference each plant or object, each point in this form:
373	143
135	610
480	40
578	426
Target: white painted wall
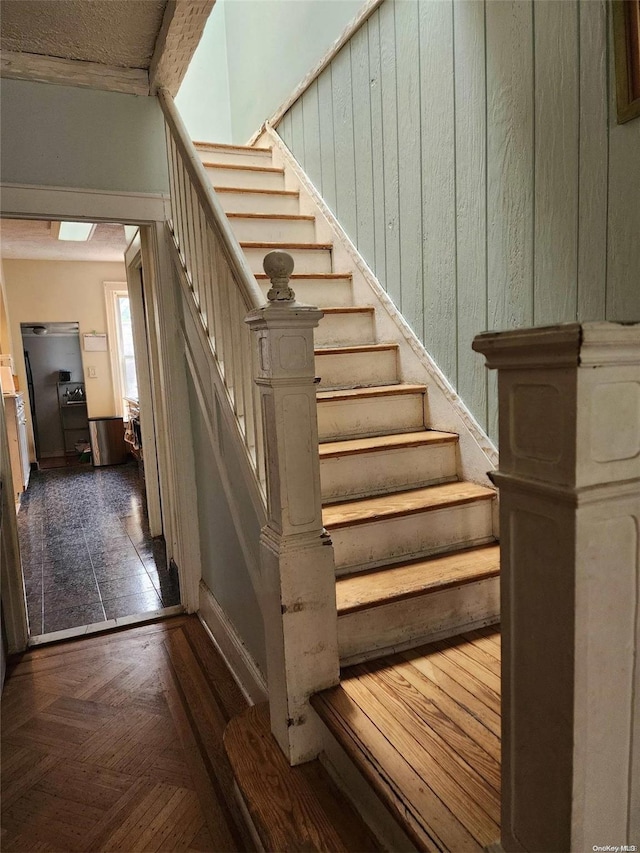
64	291
203	99
470	150
68	137
270	46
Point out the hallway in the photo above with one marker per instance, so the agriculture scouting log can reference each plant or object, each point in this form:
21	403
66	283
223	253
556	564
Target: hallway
115	743
87	553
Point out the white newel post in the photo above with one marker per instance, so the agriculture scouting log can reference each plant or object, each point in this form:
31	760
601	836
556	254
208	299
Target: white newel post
297	555
569	479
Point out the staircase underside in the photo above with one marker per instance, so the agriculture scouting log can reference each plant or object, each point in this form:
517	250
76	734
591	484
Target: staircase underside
423	728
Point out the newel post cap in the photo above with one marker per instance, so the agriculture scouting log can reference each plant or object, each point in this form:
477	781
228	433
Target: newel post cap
279	266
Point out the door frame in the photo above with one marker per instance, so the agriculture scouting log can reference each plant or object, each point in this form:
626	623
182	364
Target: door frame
176	467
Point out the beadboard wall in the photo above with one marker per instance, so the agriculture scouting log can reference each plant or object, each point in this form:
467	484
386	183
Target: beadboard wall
470	151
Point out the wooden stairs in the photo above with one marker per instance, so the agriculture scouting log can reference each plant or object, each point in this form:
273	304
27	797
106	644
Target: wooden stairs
416	557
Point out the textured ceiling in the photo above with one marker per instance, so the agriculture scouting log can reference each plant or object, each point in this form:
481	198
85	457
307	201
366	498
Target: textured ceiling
30	239
113	32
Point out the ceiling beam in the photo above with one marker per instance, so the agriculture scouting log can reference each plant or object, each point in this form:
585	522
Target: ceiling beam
181	30
73	72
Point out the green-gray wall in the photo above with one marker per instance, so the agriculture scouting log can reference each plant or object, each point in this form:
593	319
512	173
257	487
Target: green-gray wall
224	569
471	152
269	47
63	136
203	99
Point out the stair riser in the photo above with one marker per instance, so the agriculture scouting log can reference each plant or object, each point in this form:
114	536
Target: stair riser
382	541
239	158
221	177
370	416
343	329
385	471
406	624
274	230
305	260
258	203
330	293
357	369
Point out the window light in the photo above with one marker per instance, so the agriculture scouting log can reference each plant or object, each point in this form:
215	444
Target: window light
77	231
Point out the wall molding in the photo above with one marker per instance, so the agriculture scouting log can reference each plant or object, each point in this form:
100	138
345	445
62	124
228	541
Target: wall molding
30	201
235	653
73	72
365	12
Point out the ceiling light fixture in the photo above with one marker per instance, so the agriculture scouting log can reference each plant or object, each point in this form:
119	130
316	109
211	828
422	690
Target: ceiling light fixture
77	231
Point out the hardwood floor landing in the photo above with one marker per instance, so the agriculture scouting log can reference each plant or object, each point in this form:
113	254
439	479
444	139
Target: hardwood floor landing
115	743
423	726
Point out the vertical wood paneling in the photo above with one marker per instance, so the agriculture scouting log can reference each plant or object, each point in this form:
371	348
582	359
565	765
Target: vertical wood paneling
361	102
438	182
471	210
284	128
297	129
379	260
509	171
410	163
556	161
592	207
623	260
343	141
312	163
327	150
390	150
476	171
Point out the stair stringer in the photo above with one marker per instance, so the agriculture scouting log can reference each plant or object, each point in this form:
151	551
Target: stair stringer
445	410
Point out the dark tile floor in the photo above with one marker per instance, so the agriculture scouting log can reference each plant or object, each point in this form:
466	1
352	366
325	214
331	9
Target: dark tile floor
87	554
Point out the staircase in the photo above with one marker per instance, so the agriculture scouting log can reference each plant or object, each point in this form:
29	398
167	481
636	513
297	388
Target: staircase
416	558
412	731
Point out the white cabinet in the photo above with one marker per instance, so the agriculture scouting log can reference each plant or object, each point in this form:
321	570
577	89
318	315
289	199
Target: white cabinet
18	446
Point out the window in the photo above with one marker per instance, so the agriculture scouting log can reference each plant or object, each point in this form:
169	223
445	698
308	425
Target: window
123	360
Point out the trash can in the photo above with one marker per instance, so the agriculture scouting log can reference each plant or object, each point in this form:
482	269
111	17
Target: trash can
108	446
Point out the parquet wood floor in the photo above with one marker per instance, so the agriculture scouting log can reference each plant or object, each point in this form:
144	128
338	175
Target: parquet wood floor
115	743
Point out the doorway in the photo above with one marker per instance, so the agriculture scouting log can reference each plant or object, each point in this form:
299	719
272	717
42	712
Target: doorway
89	553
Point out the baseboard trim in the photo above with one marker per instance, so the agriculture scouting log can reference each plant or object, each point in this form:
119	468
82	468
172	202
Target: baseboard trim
225	637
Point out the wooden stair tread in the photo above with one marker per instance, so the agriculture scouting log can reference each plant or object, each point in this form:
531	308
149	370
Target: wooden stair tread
350	309
241	167
333	350
292	193
250	149
310	275
424	741
292	808
365	510
253	244
364	590
289	217
371	391
352	446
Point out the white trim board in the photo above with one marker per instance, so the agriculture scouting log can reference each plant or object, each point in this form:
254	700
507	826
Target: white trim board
73	72
365	12
40	202
235	653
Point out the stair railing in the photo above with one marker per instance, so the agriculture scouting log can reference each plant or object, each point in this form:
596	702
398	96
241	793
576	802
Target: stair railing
220	280
277	419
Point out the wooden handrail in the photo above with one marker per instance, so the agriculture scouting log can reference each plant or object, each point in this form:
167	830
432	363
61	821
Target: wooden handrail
211	206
